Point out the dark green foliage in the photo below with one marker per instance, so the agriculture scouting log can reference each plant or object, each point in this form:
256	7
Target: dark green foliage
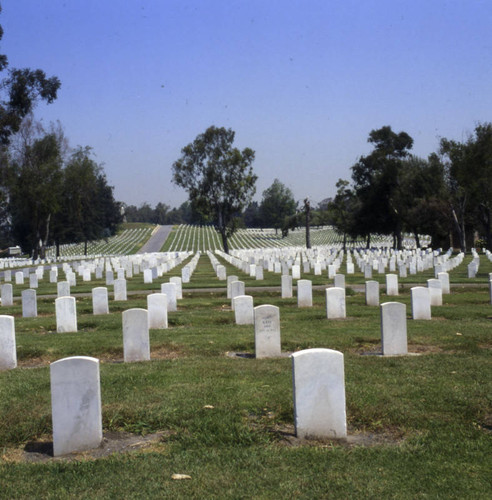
19	93
277	205
35	192
89	211
468	168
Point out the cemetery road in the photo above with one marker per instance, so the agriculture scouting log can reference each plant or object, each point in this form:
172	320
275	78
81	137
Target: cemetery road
159	236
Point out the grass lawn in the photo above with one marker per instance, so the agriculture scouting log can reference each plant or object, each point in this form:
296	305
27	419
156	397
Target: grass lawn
228	421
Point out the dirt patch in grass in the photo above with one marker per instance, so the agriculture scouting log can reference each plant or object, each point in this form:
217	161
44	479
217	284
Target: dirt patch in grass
354	438
412	350
250	355
162	352
108	357
41	451
33	362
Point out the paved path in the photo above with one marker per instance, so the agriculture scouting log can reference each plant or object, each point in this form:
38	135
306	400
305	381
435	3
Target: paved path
156	240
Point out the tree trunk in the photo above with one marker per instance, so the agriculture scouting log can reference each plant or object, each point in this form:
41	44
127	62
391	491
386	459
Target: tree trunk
85	247
57	244
486	221
307	207
368	243
399	240
460	229
224	240
344	241
417	239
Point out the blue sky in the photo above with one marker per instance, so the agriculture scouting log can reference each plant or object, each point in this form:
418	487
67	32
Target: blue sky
300	82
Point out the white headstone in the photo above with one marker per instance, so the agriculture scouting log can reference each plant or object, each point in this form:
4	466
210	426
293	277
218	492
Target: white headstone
8	354
33	280
169	289
230	279
304	293
19	278
296	272
391	284
243	310
109	278
335	303
120	289
402	270
136	343
147	276
66	314
179	286
286	286
237	288
7	295
319	394
100	300
259	273
372	293
157	308
421	305
331	271
393	328
443	277
267	331
339	281
435	289
29	304
63	289
185	274
221	272
75	404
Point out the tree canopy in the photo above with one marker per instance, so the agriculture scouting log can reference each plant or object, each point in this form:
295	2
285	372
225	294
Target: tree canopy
277	205
219	178
19	93
376	179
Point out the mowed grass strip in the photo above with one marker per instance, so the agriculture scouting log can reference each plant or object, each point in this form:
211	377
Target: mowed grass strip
228	421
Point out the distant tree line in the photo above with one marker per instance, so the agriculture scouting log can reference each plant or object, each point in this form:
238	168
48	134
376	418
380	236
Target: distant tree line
52	195
163	214
447	196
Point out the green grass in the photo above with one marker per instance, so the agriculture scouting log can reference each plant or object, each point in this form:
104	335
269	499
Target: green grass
432	412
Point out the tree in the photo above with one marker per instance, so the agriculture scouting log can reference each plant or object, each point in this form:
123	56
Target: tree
277	204
468	167
89	209
19	93
251	215
376	178
219	178
35	191
342	209
161	213
422	199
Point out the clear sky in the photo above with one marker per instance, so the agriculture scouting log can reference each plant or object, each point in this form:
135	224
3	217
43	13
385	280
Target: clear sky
300	82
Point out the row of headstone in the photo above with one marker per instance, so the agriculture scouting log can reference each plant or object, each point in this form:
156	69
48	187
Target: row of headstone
152	265
318	394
